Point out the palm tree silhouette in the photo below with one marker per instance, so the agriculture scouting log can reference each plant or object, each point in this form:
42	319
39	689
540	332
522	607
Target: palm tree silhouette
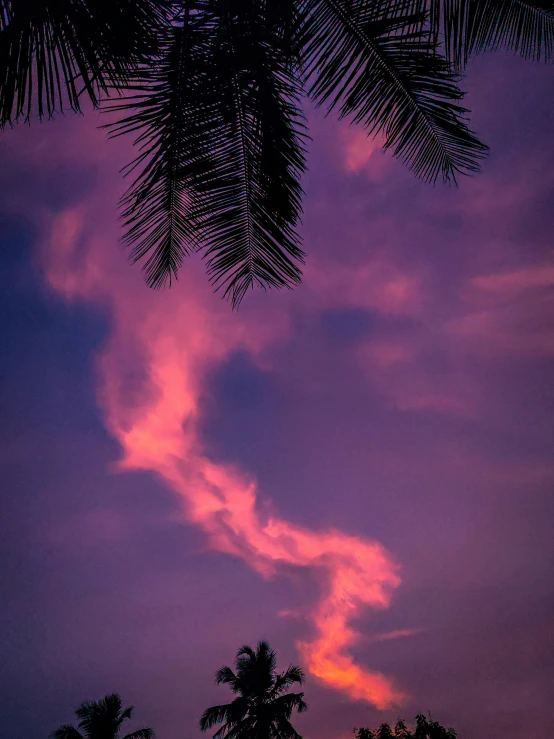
263	707
212	93
101	720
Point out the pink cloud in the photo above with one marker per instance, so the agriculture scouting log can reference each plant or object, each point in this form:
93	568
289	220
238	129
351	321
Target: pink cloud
374	284
172	339
492	316
176	337
359	152
515	282
509	313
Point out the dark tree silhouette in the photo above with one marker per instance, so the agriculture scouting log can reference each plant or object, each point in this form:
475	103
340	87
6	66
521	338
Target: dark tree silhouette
101	720
212	92
425	729
263	706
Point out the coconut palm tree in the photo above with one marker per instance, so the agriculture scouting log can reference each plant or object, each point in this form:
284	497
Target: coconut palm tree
101	720
263	706
212	92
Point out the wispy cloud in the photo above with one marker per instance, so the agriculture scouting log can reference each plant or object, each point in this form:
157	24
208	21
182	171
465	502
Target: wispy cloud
174	339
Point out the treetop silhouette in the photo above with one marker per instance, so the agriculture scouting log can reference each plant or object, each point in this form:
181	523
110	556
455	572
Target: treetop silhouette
101	719
425	728
263	707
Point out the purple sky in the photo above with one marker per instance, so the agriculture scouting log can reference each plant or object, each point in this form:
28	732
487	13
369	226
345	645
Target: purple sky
369	455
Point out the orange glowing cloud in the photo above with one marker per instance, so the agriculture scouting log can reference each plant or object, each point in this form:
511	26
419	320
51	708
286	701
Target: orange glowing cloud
151	377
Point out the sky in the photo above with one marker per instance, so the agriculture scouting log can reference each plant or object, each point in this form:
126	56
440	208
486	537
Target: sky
359	471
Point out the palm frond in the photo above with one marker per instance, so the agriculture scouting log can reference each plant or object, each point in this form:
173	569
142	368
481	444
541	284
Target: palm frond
256	670
246	651
251	204
226	676
285	730
141	734
169	110
468	27
126	714
66	732
292	675
246	728
263	709
263	656
284	705
215	715
372	61
223	730
110	705
100	718
220	131
52	50
87	714
286	18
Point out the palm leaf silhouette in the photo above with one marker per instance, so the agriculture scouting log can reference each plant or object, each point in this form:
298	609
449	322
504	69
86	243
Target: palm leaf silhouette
262	708
371	61
212	90
51	51
101	719
470	27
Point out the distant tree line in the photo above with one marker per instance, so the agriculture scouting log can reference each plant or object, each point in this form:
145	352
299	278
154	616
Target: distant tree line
425	729
261	709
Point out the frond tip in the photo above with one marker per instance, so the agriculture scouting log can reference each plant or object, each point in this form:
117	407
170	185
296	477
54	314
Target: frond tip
141	734
252	206
377	69
66	732
469	27
221	137
163	111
